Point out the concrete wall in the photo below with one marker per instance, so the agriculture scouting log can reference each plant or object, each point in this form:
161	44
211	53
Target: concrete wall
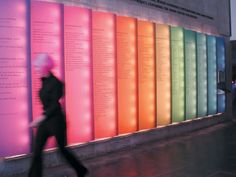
218	10
233	22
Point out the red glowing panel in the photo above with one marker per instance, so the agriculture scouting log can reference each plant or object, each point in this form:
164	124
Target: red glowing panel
103	35
146	75
14	134
78	79
163	75
126	73
46	37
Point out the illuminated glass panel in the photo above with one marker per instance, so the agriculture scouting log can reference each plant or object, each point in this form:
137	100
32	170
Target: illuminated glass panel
46	37
146	75
212	76
177	75
221	72
163	75
201	75
190	74
14	115
104	74
126	74
78	74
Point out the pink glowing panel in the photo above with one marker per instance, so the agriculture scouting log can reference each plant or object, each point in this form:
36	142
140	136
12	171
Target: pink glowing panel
14	134
78	68
103	27
46	37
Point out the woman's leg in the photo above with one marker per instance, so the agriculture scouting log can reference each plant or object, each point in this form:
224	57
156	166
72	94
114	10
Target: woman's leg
80	169
40	140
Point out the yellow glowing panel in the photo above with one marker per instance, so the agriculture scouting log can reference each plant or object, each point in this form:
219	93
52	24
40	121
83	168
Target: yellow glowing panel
163	75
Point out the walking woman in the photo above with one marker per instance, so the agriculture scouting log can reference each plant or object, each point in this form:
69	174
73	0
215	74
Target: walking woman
52	122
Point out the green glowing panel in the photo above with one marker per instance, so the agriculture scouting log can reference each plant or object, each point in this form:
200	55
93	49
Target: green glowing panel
177	73
190	74
201	75
212	78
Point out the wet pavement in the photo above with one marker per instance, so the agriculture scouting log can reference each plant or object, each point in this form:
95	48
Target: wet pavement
209	152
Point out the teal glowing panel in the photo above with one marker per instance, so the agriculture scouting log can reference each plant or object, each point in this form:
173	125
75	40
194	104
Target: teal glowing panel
190	74
177	73
201	75
211	74
220	44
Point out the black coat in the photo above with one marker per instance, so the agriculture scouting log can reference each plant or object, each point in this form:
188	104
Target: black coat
50	93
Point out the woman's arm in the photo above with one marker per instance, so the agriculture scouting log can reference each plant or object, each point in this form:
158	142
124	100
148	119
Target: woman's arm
37	121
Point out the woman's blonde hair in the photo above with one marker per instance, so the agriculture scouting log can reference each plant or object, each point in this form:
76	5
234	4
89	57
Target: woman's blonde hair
44	60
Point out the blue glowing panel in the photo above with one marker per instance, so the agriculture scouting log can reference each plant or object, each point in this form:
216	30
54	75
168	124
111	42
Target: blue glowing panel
220	48
212	76
201	75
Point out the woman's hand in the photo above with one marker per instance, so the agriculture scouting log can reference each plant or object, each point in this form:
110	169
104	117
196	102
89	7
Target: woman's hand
37	122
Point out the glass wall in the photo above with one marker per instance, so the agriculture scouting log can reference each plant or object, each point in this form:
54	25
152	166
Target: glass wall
121	74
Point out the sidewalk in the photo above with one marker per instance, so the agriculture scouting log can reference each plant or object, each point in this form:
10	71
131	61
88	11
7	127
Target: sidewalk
209	152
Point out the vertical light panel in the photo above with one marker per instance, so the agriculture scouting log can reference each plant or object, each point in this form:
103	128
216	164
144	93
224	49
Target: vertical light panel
163	79
190	74
212	76
126	73
146	75
78	69
104	74
201	75
221	72
46	37
14	132
177	73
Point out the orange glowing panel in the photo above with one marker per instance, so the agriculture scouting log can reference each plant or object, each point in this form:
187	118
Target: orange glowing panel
126	73
78	69
146	75
163	75
46	37
104	74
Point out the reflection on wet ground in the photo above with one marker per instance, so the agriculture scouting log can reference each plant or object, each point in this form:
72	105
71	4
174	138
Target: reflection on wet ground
205	153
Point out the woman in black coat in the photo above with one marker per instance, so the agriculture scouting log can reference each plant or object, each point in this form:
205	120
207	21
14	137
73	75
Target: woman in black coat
52	122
